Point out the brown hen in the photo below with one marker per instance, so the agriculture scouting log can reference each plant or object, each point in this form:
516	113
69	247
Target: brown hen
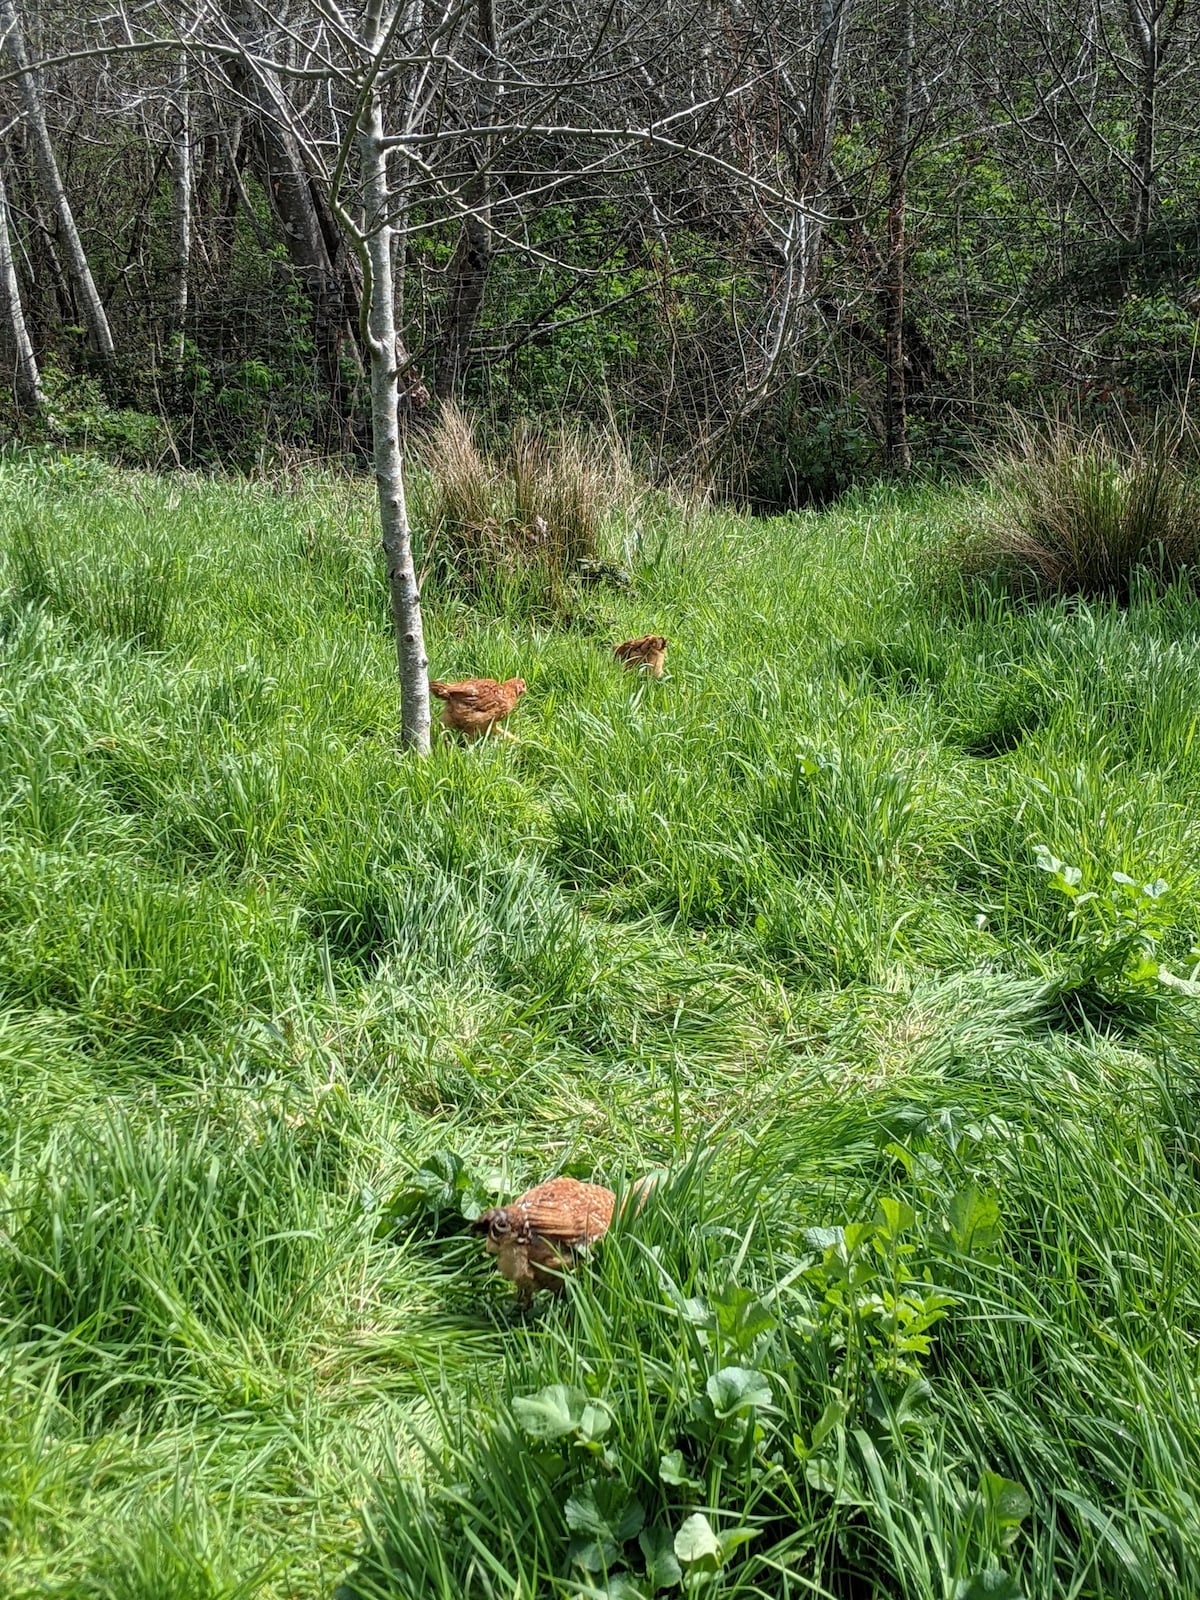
650	652
537	1236
477	705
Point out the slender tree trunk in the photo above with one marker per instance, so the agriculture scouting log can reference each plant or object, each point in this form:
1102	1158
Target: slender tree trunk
27	381
90	306
472	259
833	23
895	424
47	281
232	145
385	422
183	207
315	245
1144	19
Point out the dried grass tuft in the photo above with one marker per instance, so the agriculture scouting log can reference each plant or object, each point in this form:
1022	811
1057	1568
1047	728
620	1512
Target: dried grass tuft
1076	512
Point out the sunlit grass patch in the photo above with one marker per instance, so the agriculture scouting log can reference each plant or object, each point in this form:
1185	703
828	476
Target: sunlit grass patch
853	929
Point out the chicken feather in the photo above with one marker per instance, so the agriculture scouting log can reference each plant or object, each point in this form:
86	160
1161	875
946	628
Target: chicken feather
537	1236
650	651
476	705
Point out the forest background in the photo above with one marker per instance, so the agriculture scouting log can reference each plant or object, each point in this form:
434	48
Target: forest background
786	246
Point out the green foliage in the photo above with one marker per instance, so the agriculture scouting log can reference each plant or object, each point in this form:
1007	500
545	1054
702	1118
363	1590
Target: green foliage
800	454
79	417
440	1193
1116	931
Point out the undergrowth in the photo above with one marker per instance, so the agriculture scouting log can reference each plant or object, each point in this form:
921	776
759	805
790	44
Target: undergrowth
516	524
1077	511
871	929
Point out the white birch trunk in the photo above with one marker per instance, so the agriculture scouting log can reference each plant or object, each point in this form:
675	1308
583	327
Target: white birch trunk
90	304
183	206
27	381
385	423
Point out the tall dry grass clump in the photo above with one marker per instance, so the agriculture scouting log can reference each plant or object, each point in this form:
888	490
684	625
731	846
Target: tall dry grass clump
1077	512
465	493
573	484
544	501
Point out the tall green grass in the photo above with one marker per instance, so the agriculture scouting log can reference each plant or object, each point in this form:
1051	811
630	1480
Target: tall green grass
851	928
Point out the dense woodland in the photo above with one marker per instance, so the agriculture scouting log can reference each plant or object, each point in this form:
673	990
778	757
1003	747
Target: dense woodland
791	245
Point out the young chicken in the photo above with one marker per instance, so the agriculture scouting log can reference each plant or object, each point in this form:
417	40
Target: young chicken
540	1234
477	705
650	652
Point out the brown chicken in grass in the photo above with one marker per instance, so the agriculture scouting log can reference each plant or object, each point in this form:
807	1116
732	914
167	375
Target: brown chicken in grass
477	705
650	652
540	1234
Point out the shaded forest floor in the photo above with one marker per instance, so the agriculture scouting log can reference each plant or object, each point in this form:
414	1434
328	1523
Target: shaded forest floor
916	1309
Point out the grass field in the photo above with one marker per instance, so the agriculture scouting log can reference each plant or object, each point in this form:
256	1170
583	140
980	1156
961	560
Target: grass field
823	928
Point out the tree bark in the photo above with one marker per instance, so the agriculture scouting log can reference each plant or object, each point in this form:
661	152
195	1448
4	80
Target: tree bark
183	207
383	346
315	245
472	258
895	424
27	381
90	306
833	24
1145	17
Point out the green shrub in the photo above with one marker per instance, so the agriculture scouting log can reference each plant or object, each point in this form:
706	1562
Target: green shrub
78	416
798	455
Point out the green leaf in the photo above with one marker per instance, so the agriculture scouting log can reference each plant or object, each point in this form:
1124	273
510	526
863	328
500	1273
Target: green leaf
736	1389
672	1470
604	1509
592	1554
994	1584
856	1234
832	1417
1007	1504
742	1316
622	1587
551	1413
899	1153
696	1541
973	1217
662	1566
821	1474
894	1217
733	1539
594	1422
